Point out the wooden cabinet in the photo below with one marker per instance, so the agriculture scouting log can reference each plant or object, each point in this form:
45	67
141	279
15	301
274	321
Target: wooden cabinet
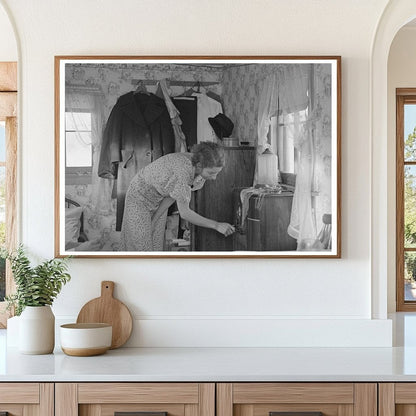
397	399
106	399
27	399
215	199
208	399
297	399
267	223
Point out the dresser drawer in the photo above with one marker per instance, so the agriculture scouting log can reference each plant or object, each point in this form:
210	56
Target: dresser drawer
145	399
21	399
296	399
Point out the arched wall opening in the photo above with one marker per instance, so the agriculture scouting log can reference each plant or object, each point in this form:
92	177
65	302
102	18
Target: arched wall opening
396	15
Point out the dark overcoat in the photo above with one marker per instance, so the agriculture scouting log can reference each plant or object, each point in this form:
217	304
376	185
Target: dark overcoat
138	131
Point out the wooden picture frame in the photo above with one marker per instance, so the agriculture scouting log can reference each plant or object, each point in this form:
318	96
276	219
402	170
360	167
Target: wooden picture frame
276	119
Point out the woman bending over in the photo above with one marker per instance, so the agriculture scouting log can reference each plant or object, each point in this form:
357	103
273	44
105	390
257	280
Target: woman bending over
169	179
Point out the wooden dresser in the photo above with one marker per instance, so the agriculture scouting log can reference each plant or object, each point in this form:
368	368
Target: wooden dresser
215	199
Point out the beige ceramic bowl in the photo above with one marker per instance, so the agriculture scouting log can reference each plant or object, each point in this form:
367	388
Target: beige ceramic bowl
84	340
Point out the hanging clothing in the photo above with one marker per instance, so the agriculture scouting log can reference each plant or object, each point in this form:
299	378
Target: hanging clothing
180	140
187	106
207	107
302	225
170	176
137	132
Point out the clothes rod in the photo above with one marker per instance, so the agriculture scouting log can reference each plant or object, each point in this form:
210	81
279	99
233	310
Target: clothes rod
83	88
175	83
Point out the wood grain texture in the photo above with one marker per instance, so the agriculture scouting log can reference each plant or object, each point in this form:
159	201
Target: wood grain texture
400	305
365	399
8	105
224	399
404	96
8	76
345	410
47	399
386	399
197	255
57	156
340	393
207	399
110	409
84	352
11	208
246	410
262	410
14	409
11	196
138	393
19	393
66	399
107	309
90	410
405	393
405	410
31	410
191	410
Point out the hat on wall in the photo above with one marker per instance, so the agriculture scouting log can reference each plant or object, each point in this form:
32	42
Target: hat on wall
222	125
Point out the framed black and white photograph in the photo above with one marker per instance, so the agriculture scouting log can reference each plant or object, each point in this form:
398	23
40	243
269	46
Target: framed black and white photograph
198	156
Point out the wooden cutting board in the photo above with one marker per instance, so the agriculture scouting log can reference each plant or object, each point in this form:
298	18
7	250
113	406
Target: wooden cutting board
108	310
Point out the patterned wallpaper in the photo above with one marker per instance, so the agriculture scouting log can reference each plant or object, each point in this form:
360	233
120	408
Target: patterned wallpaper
115	80
241	90
322	141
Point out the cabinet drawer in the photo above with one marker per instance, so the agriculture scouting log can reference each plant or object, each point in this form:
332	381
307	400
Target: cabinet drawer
107	399
397	399
21	399
297	399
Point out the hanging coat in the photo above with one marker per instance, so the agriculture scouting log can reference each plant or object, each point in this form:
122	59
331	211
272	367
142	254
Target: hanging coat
138	131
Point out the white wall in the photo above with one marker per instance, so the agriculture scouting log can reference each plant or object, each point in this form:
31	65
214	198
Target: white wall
401	74
8	46
203	302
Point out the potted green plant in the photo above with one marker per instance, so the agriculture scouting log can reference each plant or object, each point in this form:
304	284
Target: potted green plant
36	289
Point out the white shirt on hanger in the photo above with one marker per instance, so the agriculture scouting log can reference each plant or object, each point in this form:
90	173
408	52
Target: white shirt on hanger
206	107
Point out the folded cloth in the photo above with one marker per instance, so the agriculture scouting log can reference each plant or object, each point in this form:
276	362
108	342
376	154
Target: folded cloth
245	196
180	139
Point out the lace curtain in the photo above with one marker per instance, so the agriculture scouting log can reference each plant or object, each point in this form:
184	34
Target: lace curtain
286	93
294	98
81	101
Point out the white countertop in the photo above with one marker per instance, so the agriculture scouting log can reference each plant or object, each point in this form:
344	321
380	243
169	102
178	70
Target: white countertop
215	364
222	364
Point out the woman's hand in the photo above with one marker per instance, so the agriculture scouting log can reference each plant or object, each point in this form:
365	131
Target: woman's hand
224	228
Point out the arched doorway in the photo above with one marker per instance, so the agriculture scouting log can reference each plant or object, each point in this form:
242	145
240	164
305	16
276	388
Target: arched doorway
396	15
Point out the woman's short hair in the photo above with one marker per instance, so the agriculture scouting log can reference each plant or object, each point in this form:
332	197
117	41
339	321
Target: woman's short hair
208	154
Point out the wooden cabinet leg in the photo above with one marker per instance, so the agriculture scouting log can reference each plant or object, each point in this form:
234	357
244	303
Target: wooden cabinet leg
66	399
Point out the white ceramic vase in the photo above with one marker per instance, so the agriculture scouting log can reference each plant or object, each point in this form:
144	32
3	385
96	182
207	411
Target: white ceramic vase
37	330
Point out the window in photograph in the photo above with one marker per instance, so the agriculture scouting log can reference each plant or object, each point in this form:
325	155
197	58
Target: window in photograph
78	146
78	139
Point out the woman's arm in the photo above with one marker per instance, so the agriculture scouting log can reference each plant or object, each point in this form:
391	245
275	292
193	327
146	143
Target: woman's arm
188	215
164	205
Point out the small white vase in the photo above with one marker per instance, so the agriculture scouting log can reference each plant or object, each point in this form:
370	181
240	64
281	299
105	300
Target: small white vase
37	330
